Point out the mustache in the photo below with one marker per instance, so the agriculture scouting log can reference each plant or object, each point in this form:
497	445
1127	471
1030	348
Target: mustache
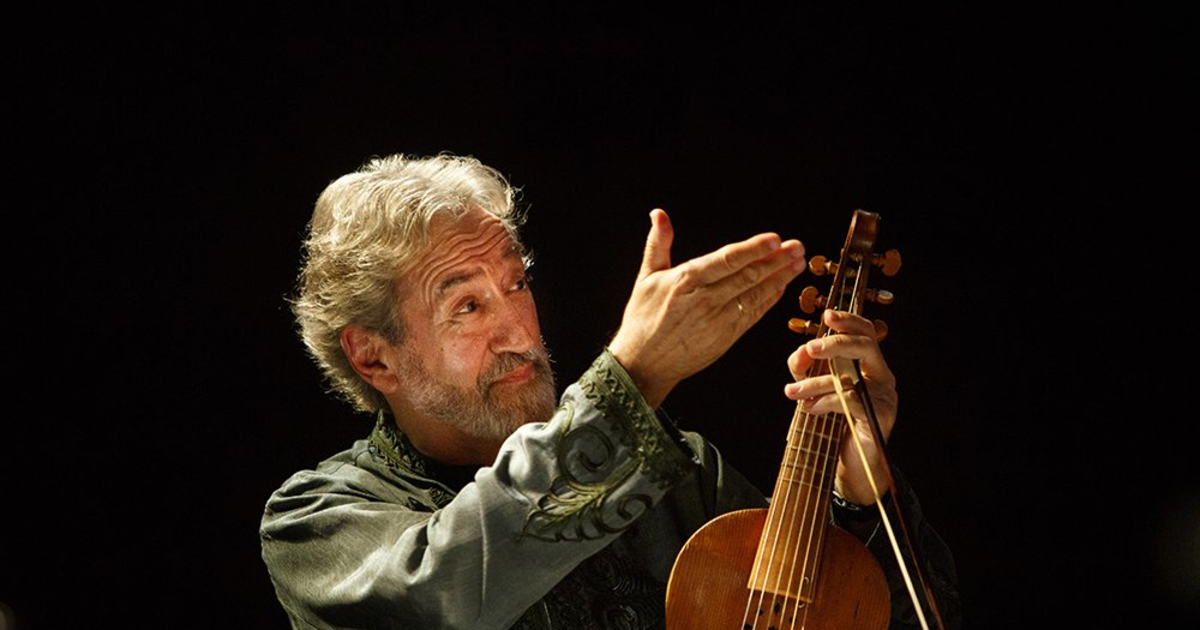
509	361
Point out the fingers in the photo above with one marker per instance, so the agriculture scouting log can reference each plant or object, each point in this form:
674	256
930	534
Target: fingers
744	278
855	341
848	323
834	404
799	361
728	273
852	343
760	285
812	389
742	258
658	244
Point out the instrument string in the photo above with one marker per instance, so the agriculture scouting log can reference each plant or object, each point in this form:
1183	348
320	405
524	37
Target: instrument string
808	517
797	474
771	531
799	445
818	480
824	441
797	479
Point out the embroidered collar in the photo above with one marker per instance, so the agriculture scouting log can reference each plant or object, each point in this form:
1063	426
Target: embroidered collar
390	442
387	438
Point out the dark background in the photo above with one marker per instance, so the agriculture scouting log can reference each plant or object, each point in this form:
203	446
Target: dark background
1031	168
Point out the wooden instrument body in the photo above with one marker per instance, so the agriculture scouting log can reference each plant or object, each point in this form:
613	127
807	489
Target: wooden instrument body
709	587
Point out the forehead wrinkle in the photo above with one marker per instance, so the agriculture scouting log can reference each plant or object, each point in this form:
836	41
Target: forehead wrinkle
466	246
447	283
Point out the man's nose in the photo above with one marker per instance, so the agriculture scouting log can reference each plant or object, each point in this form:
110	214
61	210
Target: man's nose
514	325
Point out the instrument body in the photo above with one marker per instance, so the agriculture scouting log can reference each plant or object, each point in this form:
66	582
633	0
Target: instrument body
708	591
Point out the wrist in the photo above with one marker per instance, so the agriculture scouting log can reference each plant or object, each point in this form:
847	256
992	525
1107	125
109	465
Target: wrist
651	387
846	510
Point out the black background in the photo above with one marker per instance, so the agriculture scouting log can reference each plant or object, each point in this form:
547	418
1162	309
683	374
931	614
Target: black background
1030	167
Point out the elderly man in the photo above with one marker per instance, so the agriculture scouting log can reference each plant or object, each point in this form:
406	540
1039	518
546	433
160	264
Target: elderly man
481	499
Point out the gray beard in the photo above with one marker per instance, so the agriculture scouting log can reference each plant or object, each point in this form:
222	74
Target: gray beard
482	412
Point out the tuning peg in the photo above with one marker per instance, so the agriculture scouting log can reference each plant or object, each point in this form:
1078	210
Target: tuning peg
888	262
879	296
820	266
811	299
803	326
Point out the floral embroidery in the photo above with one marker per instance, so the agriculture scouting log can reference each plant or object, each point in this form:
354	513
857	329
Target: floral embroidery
390	445
576	508
580	504
387	441
609	387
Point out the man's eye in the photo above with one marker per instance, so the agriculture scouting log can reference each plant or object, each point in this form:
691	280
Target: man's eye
468	307
523	283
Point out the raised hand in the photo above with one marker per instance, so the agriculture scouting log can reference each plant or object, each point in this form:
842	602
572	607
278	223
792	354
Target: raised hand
680	319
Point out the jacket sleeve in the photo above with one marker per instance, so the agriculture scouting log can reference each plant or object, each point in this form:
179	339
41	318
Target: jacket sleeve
345	550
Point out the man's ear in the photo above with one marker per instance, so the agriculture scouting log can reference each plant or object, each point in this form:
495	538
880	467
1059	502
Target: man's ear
370	355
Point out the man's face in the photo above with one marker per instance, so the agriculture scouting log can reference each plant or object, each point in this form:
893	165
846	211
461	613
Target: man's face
472	355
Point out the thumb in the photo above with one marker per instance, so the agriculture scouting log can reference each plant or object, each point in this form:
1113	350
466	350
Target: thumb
657	256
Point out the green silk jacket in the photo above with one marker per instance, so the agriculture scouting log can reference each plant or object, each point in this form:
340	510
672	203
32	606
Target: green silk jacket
575	525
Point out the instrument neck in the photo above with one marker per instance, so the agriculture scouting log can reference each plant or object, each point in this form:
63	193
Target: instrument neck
789	551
